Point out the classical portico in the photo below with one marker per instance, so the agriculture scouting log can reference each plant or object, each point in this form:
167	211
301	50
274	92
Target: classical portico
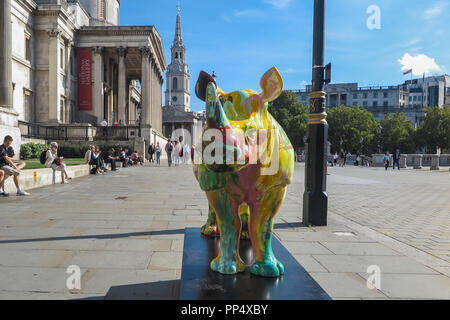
119	56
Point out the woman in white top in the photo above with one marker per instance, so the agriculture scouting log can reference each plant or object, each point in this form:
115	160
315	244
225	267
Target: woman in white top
176	154
55	162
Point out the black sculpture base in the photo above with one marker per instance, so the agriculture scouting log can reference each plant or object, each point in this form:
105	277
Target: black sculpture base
198	282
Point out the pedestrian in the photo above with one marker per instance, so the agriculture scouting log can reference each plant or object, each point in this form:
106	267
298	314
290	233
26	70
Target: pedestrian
158	154
151	152
56	162
335	158
111	157
177	153
342	158
169	149
186	154
8	167
386	160
396	159
358	158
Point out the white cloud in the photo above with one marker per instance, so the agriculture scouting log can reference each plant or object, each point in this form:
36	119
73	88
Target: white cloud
435	10
249	13
279	4
419	64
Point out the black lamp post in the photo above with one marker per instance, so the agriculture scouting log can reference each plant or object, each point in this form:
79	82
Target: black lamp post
139	113
315	198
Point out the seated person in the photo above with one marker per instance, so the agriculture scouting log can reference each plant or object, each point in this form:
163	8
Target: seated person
98	153
9	168
123	157
56	163
93	159
111	157
136	159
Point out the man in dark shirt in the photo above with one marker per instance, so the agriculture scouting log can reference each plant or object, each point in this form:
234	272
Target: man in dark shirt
396	159
111	157
9	168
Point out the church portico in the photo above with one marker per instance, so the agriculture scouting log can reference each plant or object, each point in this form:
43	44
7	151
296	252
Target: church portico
134	53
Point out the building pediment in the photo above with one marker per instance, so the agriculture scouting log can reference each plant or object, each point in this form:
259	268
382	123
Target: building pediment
173	114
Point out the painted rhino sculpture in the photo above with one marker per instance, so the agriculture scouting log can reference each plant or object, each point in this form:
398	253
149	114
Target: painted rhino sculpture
245	192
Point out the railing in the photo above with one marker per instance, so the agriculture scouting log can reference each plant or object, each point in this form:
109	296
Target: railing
77	132
37	131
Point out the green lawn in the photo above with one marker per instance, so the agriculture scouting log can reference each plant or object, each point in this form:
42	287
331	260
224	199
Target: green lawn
36	164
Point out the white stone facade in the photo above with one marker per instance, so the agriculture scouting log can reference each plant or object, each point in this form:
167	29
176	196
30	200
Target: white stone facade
127	65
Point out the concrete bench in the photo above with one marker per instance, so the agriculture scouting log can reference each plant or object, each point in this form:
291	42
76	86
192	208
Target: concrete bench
35	178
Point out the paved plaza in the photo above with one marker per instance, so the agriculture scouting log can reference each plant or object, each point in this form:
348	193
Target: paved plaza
125	231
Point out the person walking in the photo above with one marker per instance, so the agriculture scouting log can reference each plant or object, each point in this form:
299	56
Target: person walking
151	152
386	160
335	159
169	149
176	153
158	154
186	154
342	158
396	159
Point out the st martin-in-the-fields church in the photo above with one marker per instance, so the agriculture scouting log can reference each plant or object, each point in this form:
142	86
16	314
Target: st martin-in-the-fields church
177	111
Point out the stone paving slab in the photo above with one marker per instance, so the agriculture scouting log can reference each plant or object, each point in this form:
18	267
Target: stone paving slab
128	242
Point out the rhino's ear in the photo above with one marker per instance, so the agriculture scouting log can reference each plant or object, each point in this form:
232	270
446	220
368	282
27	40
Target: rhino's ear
202	83
272	85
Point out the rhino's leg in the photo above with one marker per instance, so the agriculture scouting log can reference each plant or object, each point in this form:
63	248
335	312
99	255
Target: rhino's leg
262	214
244	211
210	228
228	220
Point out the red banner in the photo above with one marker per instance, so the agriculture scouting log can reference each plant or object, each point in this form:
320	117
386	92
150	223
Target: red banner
84	79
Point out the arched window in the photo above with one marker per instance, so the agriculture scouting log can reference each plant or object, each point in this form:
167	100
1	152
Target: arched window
176	55
181	55
175	84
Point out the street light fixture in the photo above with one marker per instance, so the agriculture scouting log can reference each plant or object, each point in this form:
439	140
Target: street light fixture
315	198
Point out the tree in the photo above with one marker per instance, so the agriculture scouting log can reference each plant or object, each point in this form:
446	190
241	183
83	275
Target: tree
349	125
434	130
292	115
397	132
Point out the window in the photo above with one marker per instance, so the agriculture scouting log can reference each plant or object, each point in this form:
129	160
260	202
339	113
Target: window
385	103
355	96
415	98
28	49
176	55
375	103
365	95
375	94
365	104
27	106
187	85
385	94
181	55
62	58
175	84
102	10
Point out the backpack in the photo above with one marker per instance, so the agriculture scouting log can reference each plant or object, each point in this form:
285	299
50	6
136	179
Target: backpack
170	148
43	157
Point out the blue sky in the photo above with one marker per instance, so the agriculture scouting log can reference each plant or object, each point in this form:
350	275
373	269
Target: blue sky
240	40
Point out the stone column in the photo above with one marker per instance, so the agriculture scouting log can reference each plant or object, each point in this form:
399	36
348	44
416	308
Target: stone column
418	161
97	94
403	161
5	55
54	75
145	86
122	51
434	162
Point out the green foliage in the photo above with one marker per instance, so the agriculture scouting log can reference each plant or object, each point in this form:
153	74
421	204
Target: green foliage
397	133
434	131
351	124
292	115
32	150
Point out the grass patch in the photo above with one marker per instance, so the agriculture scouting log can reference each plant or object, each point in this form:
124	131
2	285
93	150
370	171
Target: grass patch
36	163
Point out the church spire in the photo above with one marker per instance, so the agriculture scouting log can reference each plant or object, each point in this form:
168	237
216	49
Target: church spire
178	41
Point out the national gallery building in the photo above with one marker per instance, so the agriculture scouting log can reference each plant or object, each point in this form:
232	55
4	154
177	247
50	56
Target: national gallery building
68	64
